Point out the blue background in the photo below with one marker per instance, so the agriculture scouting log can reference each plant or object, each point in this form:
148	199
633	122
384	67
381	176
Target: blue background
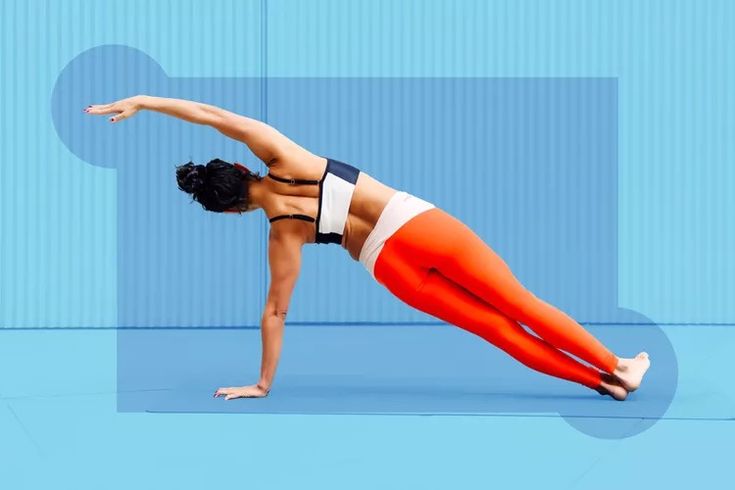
59	243
674	116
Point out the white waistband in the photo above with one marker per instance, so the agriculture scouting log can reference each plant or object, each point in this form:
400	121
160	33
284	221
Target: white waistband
401	207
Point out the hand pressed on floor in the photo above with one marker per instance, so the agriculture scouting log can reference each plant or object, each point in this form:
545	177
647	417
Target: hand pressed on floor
251	391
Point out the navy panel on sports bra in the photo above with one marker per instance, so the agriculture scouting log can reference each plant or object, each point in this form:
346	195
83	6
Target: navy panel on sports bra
342	170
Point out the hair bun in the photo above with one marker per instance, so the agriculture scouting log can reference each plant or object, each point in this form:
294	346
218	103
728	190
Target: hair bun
191	178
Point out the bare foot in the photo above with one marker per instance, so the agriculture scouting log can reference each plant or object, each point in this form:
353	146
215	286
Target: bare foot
630	371
609	385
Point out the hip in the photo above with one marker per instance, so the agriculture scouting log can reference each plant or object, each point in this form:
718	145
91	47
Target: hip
411	230
430	239
400	209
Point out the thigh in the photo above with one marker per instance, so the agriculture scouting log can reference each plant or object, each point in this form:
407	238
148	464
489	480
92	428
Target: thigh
432	293
475	266
435	241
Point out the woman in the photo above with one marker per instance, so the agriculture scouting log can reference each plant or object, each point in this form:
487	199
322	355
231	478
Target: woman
423	255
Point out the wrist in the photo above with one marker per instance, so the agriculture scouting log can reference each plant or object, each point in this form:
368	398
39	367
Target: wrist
142	101
266	387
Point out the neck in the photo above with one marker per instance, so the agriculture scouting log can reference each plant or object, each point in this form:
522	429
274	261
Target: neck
257	192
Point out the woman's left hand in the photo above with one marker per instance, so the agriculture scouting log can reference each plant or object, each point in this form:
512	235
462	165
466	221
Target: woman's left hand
252	391
123	108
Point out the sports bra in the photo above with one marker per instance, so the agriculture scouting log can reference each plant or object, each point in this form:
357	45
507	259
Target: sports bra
336	187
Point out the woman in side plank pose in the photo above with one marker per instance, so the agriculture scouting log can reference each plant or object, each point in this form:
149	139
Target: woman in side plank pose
426	257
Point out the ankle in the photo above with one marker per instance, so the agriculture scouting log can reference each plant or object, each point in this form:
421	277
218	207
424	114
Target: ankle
621	365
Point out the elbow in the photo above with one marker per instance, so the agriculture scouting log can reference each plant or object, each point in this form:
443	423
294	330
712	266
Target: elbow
276	310
211	115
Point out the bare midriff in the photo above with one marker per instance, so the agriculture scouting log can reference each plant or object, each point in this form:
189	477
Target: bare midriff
368	200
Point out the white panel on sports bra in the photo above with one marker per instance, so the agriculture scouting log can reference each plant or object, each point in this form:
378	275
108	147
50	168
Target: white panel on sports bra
336	198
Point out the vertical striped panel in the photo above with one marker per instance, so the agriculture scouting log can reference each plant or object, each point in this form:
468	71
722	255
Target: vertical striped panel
59	246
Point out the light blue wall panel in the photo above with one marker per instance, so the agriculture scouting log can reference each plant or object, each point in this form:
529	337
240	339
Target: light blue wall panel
675	108
59	250
58	229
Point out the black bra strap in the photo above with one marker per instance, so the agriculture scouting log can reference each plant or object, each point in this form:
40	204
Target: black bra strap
293	216
293	181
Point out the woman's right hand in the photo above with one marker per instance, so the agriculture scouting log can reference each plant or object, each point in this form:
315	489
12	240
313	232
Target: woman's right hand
123	108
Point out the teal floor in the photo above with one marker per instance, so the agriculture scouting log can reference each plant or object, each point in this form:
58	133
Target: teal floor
59	429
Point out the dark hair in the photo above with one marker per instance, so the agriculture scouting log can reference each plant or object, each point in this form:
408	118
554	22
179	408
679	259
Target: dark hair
218	186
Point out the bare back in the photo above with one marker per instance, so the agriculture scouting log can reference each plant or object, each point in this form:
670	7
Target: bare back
369	199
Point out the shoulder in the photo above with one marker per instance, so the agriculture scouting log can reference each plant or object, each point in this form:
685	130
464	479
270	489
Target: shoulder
298	164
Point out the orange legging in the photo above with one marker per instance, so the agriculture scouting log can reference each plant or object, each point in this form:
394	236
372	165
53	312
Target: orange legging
437	264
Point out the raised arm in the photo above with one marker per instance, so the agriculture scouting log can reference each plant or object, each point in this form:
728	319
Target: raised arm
266	142
284	256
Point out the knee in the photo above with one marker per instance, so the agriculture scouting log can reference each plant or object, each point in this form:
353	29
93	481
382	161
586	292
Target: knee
500	329
520	301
